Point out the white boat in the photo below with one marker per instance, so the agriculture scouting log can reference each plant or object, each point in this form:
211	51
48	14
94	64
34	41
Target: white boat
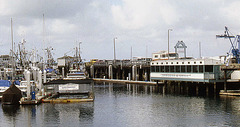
5	84
76	74
23	86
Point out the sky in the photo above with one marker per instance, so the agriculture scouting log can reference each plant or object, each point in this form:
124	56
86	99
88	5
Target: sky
140	24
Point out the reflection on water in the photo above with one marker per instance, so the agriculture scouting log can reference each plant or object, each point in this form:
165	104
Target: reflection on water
129	105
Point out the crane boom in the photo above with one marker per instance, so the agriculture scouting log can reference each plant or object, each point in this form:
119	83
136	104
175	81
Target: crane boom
234	44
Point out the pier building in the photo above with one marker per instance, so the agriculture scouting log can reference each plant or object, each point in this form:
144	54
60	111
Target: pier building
197	70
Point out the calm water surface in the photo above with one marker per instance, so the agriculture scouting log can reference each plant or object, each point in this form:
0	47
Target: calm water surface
129	105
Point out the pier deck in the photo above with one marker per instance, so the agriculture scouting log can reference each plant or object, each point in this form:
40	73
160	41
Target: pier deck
126	81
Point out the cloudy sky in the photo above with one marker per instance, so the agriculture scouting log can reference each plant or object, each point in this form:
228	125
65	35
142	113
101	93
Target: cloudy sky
140	24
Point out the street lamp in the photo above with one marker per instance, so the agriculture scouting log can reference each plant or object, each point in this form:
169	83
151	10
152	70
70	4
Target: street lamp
114	40
168	41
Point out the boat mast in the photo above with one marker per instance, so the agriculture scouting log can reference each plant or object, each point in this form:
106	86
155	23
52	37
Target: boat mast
80	59
43	44
13	69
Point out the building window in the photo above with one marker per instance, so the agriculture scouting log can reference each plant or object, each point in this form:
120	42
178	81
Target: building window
183	69
194	62
201	68
166	62
166	68
153	69
171	68
157	69
161	68
156	56
177	62
189	68
188	62
208	68
182	62
200	62
177	68
195	69
171	62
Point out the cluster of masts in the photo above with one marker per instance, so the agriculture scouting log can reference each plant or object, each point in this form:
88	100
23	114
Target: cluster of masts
24	57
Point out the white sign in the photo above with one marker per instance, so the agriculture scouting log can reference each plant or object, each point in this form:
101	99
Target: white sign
69	87
61	62
178	75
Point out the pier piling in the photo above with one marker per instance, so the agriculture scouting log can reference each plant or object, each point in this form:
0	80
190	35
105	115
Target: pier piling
28	85
110	72
40	82
44	76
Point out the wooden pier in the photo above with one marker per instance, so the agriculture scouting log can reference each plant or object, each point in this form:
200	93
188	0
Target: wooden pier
120	69
229	68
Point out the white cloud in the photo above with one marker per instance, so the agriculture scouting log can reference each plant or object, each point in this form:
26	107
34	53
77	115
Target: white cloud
231	13
137	14
62	27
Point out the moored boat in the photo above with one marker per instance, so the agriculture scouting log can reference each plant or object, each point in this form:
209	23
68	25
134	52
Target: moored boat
11	96
76	74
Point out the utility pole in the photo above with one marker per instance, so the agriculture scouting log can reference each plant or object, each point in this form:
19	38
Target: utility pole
200	54
131	54
114	41
146	52
168	41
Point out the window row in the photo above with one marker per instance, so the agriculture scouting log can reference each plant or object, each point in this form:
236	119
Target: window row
161	63
183	68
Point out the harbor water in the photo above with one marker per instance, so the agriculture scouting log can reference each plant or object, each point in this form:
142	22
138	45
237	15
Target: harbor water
120	105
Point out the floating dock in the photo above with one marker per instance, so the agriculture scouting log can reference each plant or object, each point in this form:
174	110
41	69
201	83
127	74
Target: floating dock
66	100
56	98
29	102
230	92
38	100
